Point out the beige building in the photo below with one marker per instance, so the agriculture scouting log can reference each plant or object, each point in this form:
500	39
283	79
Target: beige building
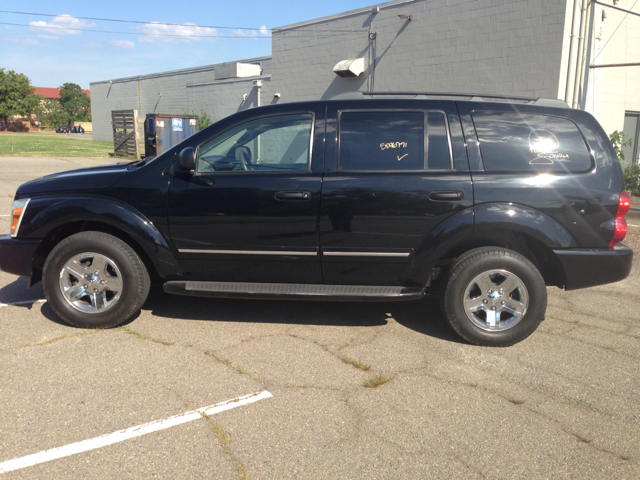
613	94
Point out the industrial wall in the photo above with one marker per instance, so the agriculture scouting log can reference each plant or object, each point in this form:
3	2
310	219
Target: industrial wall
484	46
172	92
514	47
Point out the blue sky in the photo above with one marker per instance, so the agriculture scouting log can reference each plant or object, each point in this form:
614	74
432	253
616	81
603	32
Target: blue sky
52	50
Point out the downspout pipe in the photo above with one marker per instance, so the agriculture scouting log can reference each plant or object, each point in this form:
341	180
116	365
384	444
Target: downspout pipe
258	85
372	52
573	51
580	58
585	85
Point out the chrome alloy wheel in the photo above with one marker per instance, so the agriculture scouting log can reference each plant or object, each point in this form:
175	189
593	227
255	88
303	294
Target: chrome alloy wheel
496	300
91	282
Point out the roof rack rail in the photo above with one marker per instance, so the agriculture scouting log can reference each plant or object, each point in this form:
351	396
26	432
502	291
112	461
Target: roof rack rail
476	97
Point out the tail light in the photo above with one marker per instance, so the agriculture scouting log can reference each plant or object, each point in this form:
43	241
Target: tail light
621	224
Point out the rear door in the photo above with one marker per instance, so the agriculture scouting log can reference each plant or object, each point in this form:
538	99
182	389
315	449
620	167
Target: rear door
394	171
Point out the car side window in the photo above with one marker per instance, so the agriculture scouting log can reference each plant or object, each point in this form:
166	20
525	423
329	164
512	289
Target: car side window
377	140
267	144
524	142
438	145
393	140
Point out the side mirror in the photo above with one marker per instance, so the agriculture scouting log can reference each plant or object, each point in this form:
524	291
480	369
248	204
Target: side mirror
187	157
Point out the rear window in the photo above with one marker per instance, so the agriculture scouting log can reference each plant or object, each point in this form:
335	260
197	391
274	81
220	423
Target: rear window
522	142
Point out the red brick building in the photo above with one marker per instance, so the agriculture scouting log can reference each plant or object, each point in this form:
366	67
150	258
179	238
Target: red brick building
48	92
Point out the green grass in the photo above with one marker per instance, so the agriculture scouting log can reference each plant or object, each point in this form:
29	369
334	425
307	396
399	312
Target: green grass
143	336
377	381
32	146
356	363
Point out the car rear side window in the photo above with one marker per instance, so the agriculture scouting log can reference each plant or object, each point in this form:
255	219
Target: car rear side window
523	142
438	147
381	140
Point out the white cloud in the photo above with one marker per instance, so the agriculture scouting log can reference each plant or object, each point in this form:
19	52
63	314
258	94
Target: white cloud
262	32
94	46
61	25
122	44
187	32
30	41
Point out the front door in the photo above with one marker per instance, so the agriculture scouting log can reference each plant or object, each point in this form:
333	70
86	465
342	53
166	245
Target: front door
249	212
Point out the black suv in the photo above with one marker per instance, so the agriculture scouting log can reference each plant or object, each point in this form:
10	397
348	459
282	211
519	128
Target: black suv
485	201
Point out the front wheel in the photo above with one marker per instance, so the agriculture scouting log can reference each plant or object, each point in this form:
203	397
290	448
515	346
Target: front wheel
95	280
494	297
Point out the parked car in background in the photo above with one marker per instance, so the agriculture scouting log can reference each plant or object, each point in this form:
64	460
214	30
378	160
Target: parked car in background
482	200
77	129
63	129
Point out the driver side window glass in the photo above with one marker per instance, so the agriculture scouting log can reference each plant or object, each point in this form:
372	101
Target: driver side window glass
267	144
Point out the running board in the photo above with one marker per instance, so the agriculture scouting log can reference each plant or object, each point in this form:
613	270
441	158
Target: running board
293	291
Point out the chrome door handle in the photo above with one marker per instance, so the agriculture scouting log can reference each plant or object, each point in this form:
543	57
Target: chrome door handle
293	196
446	196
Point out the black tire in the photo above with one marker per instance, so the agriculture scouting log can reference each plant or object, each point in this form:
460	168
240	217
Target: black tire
121	283
491	316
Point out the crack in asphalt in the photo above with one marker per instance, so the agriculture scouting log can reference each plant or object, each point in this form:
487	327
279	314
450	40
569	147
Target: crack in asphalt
436	355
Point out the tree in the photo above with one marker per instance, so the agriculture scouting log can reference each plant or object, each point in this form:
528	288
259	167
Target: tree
50	112
16	96
630	170
204	120
619	140
75	103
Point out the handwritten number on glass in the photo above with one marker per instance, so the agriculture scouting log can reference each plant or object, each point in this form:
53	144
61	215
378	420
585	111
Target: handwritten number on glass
385	146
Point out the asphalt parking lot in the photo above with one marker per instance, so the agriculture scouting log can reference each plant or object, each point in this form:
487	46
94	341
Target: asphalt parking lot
564	403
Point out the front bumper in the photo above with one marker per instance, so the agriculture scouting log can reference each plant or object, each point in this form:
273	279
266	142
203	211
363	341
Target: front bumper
17	254
588	267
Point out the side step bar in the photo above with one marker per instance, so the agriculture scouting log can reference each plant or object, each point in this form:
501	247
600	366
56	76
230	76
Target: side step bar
293	291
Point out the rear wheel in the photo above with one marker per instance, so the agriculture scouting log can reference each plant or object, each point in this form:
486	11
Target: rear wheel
494	297
95	280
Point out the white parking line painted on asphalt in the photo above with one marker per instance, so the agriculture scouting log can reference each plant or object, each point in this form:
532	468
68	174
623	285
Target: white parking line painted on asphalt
23	302
129	433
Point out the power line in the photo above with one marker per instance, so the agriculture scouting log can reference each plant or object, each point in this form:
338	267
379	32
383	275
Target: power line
319	33
139	22
50	27
127	21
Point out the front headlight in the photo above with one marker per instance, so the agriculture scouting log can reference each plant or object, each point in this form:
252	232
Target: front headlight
17	211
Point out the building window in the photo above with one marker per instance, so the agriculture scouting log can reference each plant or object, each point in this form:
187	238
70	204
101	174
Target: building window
632	130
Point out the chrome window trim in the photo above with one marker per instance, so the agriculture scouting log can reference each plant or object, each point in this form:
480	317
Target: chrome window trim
296	253
249	252
366	254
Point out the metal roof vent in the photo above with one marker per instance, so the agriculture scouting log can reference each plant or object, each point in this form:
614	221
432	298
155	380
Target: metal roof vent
349	68
237	70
